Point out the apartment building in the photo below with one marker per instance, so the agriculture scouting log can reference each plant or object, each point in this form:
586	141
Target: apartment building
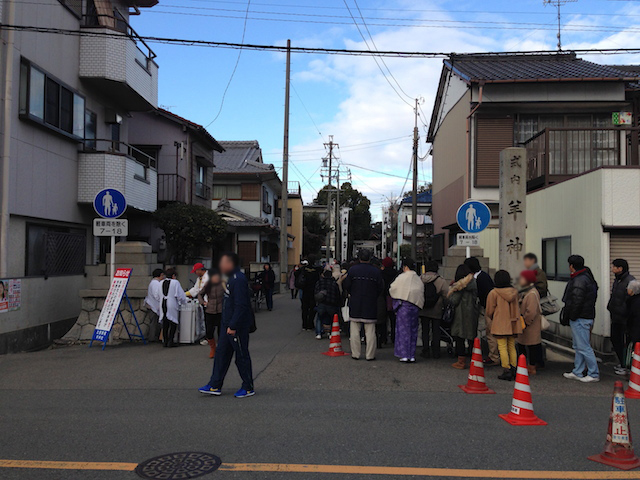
66	137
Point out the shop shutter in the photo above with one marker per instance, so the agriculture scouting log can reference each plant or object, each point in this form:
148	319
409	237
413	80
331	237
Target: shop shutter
492	136
627	247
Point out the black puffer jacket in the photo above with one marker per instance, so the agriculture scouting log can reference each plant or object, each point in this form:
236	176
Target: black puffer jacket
618	301
580	296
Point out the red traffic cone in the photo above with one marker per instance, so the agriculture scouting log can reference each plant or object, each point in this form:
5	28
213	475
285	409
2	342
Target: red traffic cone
634	380
522	405
476	382
335	344
618	450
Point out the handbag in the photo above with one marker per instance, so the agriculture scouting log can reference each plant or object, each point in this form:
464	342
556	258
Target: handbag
544	323
523	324
448	314
549	304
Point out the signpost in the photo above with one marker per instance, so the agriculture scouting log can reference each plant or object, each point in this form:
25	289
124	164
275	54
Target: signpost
468	240
110	204
473	217
111	309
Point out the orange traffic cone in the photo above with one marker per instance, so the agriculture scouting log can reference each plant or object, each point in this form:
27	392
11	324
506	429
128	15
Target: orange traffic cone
522	405
618	450
634	380
335	344
475	382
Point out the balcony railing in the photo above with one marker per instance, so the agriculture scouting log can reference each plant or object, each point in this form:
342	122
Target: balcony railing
172	188
293	188
556	154
115	147
203	191
118	23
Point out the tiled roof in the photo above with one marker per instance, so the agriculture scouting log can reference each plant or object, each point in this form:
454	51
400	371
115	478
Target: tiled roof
188	123
241	219
520	68
241	157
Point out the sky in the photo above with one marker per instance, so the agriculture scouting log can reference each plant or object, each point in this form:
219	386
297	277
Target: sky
369	115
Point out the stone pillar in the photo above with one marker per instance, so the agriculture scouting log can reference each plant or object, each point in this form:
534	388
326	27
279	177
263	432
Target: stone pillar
513	199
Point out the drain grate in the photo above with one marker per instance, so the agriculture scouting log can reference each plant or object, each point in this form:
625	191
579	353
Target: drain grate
178	466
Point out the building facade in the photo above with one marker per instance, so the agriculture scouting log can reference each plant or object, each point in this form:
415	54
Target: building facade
424	227
65	137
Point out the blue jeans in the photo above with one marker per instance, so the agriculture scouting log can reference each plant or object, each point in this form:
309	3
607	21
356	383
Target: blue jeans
324	316
585	358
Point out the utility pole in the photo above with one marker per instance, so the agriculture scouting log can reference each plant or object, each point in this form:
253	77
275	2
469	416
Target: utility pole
338	225
330	146
414	205
284	196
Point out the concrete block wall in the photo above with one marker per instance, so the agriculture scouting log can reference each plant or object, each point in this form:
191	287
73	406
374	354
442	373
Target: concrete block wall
114	58
103	170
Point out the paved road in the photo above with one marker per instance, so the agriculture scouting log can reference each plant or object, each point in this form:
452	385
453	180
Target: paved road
133	402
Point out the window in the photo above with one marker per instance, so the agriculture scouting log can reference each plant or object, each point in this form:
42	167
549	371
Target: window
230	192
74	6
146	157
289	217
90	130
555	252
115	136
53	250
202	189
49	102
266	206
250	191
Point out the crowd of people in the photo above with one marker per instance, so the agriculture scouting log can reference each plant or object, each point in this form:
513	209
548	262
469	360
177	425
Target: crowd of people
384	305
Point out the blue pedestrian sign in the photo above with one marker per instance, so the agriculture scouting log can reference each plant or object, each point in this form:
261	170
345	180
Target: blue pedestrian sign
473	216
110	203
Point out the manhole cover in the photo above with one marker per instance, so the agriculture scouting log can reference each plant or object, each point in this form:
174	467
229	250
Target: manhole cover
178	466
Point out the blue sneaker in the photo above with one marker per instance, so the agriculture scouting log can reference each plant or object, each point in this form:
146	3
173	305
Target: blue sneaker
209	390
242	393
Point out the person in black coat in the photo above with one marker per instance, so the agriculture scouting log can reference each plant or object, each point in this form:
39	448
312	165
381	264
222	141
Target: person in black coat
268	278
617	307
306	279
485	285
579	313
389	274
633	311
364	284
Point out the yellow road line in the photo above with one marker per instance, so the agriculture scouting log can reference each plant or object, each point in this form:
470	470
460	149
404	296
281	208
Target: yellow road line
344	469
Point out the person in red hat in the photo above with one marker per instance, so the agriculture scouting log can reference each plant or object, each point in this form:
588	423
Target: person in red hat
530	340
202	278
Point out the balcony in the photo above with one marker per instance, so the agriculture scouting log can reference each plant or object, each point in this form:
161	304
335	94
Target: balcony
109	164
116	61
293	189
172	188
203	191
557	154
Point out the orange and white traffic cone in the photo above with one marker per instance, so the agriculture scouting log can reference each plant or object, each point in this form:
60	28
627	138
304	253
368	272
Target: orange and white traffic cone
335	343
476	382
522	404
634	379
618	450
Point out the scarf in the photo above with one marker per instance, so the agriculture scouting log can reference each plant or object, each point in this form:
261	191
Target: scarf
408	287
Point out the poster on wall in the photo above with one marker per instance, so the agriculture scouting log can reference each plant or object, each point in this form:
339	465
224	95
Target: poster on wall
10	296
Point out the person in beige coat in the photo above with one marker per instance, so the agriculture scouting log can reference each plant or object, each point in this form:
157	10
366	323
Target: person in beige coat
531	338
504	313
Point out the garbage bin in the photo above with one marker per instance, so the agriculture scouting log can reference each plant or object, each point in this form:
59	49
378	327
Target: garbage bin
188	317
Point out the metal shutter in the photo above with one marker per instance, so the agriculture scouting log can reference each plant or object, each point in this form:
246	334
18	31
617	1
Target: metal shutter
492	136
627	247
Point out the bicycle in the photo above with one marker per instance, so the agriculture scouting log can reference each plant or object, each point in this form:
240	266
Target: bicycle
258	294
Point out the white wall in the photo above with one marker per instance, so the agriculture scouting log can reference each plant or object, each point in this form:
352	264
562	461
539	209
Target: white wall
579	208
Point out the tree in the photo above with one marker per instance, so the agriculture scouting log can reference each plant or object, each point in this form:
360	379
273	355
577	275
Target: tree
421	188
314	234
360	205
188	228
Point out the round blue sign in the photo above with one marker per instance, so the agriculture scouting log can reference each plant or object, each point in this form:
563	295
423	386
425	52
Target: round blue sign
473	216
110	203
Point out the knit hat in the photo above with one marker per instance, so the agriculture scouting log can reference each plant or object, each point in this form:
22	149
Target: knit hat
387	262
529	276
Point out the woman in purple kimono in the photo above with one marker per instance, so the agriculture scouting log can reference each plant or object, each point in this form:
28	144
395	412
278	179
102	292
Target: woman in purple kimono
407	292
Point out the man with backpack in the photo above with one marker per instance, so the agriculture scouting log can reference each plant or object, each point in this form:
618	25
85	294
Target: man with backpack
435	292
306	279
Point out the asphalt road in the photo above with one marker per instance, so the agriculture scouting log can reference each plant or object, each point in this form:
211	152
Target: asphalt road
133	402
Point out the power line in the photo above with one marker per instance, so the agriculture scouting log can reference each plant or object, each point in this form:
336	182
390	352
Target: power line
374	58
371	170
235	67
306	110
349	148
311	50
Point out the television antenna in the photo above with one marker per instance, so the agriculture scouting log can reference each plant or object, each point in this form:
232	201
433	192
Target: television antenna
558	4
